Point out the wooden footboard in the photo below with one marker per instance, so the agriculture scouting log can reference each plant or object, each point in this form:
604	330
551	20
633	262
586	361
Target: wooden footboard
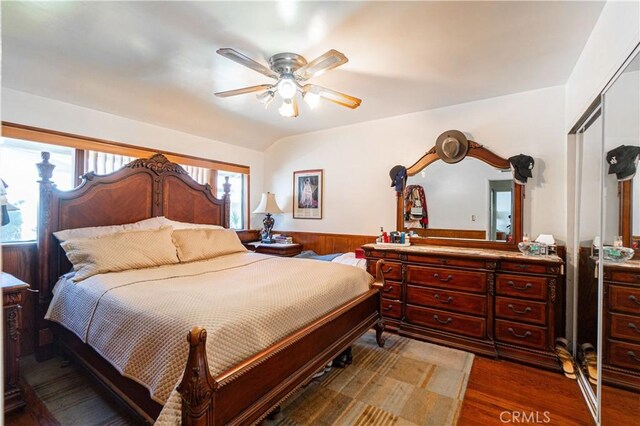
248	392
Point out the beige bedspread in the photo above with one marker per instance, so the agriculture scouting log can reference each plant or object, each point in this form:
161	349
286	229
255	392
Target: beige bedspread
138	320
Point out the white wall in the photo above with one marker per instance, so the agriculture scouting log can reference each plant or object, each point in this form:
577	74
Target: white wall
24	108
613	38
357	160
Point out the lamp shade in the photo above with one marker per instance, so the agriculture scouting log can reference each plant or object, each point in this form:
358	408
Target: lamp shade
268	204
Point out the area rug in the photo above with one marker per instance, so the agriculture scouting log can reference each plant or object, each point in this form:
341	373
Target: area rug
405	383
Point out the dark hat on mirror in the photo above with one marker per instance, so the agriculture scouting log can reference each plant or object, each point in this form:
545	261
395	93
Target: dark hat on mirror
452	146
623	161
522	166
398	175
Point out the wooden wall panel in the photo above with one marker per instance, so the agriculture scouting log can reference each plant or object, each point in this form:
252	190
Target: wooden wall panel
323	243
19	260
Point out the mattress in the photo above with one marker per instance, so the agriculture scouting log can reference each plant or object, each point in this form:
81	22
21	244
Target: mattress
138	319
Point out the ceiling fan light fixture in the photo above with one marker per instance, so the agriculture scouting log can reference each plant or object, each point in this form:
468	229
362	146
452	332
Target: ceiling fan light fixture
287	109
287	88
312	98
266	98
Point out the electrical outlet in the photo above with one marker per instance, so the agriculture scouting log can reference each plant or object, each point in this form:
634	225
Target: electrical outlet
473	218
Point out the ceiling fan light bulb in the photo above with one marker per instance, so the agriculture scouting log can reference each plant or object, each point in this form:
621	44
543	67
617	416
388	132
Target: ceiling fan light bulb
286	109
287	88
312	99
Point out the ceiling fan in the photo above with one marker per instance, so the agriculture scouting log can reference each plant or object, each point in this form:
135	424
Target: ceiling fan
290	71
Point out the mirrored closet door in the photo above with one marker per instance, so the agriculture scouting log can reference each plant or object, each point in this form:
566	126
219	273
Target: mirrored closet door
605	254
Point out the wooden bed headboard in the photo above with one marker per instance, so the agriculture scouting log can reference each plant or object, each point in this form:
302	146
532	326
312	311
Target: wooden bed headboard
142	189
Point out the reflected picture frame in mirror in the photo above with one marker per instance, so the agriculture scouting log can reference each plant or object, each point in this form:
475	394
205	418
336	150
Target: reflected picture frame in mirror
477	151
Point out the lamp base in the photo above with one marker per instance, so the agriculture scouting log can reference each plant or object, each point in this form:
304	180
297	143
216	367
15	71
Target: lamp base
268	223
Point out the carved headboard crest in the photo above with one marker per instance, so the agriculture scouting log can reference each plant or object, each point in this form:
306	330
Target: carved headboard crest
158	164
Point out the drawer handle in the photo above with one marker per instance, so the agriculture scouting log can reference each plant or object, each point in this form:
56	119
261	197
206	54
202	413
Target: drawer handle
449	299
444	280
435	317
388	308
522	266
525	311
632	355
634	299
387	270
521	336
388	289
444	261
633	327
526	287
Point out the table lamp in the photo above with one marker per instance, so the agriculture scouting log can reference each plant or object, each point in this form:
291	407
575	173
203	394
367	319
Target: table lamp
268	206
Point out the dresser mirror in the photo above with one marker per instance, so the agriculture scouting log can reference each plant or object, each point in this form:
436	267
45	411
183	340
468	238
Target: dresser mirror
473	202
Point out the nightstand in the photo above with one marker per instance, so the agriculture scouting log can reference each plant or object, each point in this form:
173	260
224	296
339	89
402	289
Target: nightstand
12	293
275	249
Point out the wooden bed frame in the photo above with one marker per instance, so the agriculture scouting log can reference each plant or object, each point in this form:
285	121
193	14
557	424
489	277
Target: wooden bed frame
246	393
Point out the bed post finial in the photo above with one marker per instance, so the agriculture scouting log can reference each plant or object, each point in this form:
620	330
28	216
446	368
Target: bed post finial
45	168
197	386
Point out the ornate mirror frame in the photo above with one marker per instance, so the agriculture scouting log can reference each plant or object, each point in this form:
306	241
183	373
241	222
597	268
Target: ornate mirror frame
483	154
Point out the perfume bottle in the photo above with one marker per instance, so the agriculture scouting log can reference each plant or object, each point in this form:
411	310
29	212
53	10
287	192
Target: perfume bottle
618	242
525	238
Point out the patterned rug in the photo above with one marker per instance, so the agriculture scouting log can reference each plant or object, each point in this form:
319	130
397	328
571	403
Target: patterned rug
405	383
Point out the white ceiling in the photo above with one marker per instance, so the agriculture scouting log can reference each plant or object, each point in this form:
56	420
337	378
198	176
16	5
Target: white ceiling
156	61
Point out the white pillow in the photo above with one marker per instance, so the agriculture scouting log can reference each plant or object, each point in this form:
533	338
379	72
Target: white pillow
201	244
186	225
120	252
100	231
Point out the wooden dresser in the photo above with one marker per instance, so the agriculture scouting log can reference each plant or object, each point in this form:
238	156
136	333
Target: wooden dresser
491	302
621	341
12	293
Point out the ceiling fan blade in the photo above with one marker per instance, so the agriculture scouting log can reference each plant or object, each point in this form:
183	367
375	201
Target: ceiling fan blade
321	64
244	90
238	57
295	107
333	96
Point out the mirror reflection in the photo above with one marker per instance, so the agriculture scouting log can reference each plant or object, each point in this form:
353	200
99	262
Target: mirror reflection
620	316
468	200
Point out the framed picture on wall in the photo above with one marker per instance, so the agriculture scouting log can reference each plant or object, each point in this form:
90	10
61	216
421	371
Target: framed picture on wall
307	194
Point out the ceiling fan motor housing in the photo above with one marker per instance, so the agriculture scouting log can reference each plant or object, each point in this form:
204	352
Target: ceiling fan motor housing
286	63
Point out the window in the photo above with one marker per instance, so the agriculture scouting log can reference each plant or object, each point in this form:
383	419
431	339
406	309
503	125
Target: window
73	156
17	169
238	208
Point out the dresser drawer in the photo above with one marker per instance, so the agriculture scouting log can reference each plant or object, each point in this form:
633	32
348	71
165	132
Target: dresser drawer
447	261
390	308
446	321
521	286
623	276
625	355
391	290
625	327
450	300
624	299
448	278
392	271
521	334
521	310
530	268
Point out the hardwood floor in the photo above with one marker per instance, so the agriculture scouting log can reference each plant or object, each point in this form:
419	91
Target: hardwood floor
494	388
504	388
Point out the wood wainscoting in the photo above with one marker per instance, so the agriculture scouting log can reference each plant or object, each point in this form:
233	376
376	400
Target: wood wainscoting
19	260
323	243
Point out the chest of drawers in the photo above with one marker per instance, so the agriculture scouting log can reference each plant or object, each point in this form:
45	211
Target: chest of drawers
493	303
621	340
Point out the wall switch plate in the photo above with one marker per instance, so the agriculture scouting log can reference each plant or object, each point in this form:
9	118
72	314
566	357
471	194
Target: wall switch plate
473	218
